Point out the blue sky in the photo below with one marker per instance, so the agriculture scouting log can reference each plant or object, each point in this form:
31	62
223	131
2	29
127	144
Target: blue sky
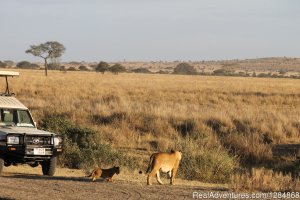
151	30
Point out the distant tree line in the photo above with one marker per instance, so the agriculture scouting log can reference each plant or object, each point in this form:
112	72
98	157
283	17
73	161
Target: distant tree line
181	68
53	50
27	65
101	67
187	69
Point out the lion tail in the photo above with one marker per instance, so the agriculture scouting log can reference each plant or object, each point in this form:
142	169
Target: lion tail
150	164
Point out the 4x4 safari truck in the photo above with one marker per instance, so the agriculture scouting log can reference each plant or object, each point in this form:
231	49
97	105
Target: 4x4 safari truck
20	141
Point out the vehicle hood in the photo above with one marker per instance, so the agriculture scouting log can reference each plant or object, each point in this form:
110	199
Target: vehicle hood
22	130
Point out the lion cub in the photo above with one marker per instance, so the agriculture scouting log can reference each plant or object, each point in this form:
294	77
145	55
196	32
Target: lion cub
165	162
104	173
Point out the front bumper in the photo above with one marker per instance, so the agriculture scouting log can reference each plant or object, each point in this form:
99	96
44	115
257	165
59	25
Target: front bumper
30	148
26	153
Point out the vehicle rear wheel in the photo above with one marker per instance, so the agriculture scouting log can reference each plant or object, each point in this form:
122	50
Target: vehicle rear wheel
1	164
49	166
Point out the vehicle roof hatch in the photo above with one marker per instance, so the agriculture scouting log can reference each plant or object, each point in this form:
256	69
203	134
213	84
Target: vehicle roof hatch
11	102
8	74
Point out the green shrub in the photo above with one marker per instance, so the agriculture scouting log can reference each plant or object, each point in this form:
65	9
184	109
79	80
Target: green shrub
223	72
185	68
72	69
117	68
102	67
141	70
83	68
84	146
162	72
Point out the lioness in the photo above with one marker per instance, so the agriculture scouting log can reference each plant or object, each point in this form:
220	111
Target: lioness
165	162
104	173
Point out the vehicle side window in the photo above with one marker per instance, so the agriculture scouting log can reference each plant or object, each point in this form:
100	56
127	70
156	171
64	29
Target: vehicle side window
24	117
8	116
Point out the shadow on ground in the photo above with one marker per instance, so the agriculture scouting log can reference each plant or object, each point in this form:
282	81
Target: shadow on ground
5	198
42	177
86	179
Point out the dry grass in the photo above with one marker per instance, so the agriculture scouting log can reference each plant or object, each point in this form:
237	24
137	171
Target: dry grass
264	180
270	106
142	113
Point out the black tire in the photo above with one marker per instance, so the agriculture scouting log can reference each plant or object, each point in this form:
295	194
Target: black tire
49	166
1	164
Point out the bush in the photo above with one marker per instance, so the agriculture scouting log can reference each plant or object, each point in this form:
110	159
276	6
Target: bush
3	65
223	72
162	72
205	164
93	66
185	68
141	70
262	75
53	66
117	68
83	68
27	65
203	156
9	63
62	68
83	146
244	74
72	69
102	67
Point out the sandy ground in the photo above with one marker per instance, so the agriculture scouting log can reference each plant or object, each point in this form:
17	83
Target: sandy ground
24	182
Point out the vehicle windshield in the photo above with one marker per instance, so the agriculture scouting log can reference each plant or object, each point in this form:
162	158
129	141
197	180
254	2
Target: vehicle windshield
12	117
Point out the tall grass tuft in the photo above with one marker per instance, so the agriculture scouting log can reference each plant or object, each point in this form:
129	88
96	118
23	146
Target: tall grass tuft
264	180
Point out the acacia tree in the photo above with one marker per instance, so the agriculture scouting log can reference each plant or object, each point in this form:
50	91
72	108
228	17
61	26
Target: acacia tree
102	67
116	68
50	49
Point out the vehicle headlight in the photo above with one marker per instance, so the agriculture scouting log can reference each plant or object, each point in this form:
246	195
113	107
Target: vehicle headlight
13	140
57	140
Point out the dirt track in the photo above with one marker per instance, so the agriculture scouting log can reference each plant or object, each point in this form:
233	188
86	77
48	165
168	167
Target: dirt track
35	186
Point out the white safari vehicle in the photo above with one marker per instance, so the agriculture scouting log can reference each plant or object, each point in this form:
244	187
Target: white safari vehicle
20	141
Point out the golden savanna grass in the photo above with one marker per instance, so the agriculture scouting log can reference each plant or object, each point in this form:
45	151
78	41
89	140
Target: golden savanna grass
264	180
232	119
273	105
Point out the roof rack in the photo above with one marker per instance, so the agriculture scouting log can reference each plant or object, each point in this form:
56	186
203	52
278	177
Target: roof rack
8	74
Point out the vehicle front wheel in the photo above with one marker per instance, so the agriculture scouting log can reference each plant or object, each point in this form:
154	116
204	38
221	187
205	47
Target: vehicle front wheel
1	164
49	166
